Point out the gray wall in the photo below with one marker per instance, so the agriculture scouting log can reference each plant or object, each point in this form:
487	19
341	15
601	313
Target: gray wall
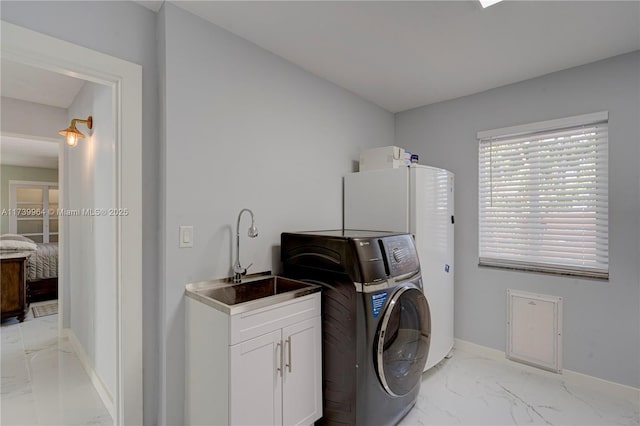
125	30
90	281
601	319
244	128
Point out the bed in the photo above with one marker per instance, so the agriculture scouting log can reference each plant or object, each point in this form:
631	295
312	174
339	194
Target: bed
42	273
42	265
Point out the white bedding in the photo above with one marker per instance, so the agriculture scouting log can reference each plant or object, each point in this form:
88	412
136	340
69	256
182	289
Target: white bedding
43	263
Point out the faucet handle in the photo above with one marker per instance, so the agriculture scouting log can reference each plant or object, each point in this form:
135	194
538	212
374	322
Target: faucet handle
245	269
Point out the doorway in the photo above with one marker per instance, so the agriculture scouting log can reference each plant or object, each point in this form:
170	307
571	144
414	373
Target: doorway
124	81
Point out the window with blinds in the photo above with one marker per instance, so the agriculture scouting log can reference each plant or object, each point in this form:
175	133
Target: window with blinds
543	196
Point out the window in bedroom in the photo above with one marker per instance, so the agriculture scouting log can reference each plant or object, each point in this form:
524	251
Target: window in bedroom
543	196
34	210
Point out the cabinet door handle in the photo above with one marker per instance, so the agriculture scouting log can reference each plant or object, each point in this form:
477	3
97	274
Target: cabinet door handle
288	343
279	349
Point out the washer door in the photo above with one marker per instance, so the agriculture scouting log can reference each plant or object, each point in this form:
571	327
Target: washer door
402	341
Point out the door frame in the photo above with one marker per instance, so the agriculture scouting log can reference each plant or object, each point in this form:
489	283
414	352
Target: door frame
28	47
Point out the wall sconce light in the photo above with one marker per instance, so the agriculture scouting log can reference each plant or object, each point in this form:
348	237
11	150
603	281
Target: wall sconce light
72	134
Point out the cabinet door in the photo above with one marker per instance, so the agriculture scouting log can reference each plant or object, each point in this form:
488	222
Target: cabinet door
255	382
302	388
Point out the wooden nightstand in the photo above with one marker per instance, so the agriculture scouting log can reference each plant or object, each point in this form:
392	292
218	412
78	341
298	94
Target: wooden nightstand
13	293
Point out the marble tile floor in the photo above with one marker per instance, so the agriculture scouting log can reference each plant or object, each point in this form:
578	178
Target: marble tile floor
469	389
43	381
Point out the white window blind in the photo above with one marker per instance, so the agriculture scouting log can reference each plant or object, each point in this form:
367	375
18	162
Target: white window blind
543	194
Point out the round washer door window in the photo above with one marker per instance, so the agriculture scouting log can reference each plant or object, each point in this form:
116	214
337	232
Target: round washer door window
402	342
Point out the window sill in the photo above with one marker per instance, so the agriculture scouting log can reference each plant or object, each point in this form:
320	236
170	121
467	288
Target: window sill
538	270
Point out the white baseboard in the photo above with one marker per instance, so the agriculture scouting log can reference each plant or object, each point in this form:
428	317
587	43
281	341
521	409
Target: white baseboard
97	382
615	389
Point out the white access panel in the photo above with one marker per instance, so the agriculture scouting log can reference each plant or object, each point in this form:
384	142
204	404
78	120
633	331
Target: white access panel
534	329
431	221
377	200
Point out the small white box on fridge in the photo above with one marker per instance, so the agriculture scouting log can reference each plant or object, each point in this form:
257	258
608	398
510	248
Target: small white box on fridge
386	157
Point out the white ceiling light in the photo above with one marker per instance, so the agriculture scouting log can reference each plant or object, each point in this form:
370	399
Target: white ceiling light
487	3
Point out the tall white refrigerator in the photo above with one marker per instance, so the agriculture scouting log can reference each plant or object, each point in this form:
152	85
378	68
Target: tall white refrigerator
419	200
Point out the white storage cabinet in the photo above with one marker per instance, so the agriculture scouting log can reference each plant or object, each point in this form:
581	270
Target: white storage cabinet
261	367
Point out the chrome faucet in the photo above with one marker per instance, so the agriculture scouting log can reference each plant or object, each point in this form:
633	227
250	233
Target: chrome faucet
239	271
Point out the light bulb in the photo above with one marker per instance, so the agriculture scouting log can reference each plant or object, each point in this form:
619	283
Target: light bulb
72	140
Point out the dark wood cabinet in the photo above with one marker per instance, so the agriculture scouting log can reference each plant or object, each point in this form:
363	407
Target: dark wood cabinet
13	281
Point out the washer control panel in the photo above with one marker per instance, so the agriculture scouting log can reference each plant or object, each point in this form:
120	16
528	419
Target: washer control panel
387	256
371	260
401	254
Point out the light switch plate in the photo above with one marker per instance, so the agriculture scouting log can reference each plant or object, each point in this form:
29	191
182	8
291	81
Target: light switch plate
186	236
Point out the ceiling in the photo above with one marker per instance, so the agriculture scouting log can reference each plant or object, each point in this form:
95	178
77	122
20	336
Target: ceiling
19	151
401	55
36	85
